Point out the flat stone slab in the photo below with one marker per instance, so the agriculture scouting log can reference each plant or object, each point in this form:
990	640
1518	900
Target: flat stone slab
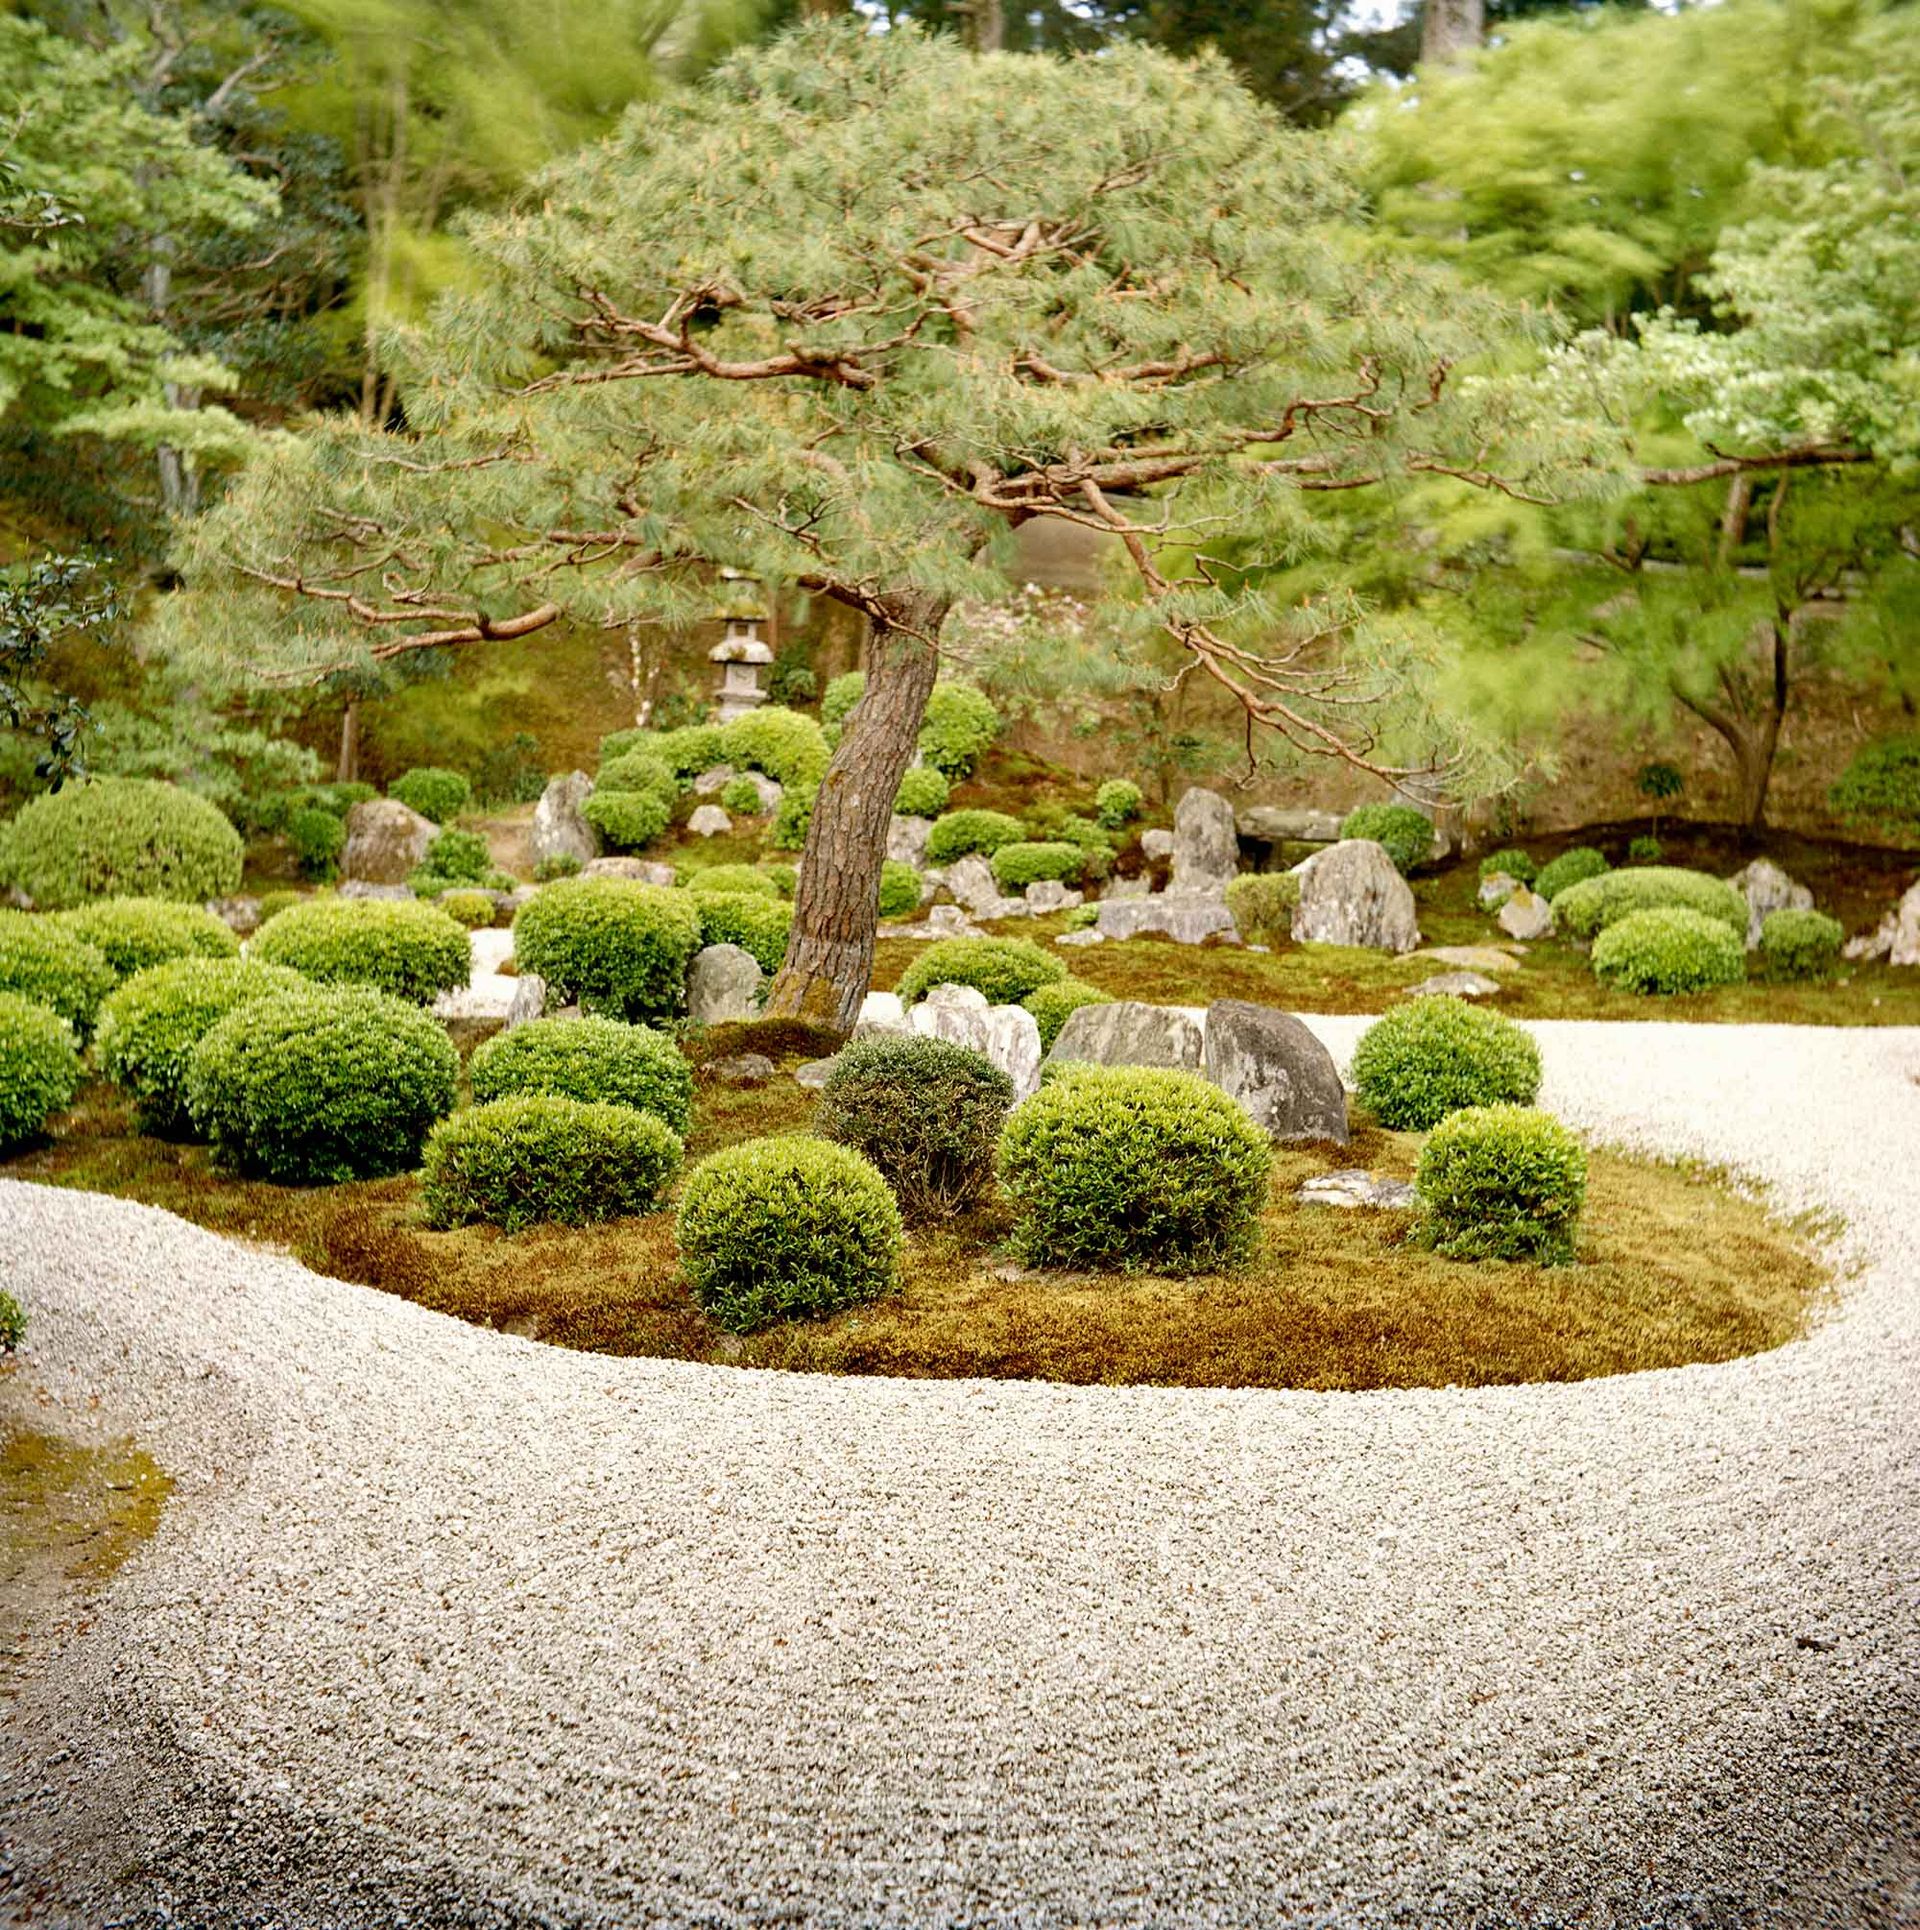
1186	920
1355	1186
1472	958
1458	985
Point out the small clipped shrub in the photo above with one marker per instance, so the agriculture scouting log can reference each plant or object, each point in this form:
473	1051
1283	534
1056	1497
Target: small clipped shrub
1124	1166
1800	944
432	791
273	903
1263	904
1573	867
1081	917
45	961
794	817
959	725
150	1025
330	1083
562	864
461	857
899	889
1005	969
39	1068
1645	849
1501	1183
1584	911
1052	1005
926	1112
960	833
788	746
1016	866
468	907
1095	844
1511	863
741	796
617	743
754	922
1117	803
335	799
786	878
612	945
1431	1057
1881	787
412	951
642	771
784	1229
537	1159
733	881
121	837
840	696
133	933
13	1323
688	751
1406	834
627	820
317	839
1667	950
923	793
597	1061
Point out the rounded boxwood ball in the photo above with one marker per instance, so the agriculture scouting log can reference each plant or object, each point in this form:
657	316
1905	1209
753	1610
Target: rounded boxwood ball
1501	1183
121	837
923	793
1799	943
1583	911
610	944
1667	951
899	889
758	925
537	1158
597	1061
411	950
1405	834
1052	1005
1433	1056
734	881
1125	1166
1004	969
786	1229
133	933
1573	867
330	1083
432	791
41	960
39	1069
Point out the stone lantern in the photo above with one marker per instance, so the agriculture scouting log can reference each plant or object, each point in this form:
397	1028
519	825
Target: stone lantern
743	655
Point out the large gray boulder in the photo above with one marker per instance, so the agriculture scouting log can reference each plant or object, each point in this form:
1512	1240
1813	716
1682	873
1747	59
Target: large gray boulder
1767	888
386	841
1206	845
360	888
715	778
907	840
1007	1036
1896	938
1526	916
723	985
1049	894
1350	894
1186	920
559	831
709	821
972	883
1277	1069
1013	1044
1128	1033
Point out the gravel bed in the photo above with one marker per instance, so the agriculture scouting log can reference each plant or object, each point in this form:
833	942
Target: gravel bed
443	1627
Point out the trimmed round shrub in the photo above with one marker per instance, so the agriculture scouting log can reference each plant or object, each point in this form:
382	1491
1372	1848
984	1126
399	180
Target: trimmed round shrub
273	903
733	881
627	820
317	838
537	1159
688	751
1501	1183
150	1025
794	818
1117	802
121	837
413	951
1669	950
1406	834
461	857
1005	969
1800	944
467	907
786	1229
1511	863
434	792
597	1061
133	933
1263	904
1052	1005
1645	850
960	833
756	924
641	770
1016	866
562	864
923	793
959	725
926	1112
44	960
741	796
1431	1057
790	747
1125	1166
610	944
39	1068
617	743
899	889
1573	867
330	1083
1585	910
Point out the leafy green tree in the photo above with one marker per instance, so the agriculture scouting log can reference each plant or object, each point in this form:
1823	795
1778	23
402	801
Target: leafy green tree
43	604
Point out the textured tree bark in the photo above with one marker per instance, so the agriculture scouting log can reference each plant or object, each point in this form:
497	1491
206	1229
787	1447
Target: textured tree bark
347	768
829	957
1450	29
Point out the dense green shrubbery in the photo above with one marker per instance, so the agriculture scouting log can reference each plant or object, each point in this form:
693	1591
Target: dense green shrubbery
1800	944
1669	949
786	1228
537	1159
1005	969
468	907
923	793
460	857
786	878
790	747
39	1069
273	903
795	815
1016	866
1052	1005
1511	863
1126	1166
733	881
741	796
120	837
899	889
1584	911
1571	868
628	820
756	924
960	833
1433	1056
435	793
313	1087
959	725
1501	1183
1405	833
1263	904
13	1323
150	1025
335	799
1117	802
641	770
42	960
1645	850
926	1112
612	945
562	864
597	1061
413	951
317	839
1881	787
840	696
133	933
688	751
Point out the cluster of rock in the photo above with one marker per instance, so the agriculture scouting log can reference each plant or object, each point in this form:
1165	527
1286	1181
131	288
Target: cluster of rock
1897	936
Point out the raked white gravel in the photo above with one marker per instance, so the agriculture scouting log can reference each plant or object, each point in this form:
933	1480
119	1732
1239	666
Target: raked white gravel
447	1628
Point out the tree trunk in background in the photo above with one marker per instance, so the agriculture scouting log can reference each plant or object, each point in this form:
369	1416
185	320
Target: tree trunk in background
1450	30
1750	720
348	768
829	960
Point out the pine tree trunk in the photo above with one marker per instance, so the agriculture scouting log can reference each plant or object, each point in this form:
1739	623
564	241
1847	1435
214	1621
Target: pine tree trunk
829	959
347	769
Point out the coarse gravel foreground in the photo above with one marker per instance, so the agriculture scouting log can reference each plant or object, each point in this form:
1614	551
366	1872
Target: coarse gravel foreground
446	1628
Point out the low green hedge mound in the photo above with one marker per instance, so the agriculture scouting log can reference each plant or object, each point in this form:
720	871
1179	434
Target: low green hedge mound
40	1070
628	820
1571	868
643	771
538	1160
786	1229
1406	833
317	839
741	796
1435	1056
733	881
44	960
470	909
610	945
1052	1005
120	837
411	950
434	792
1511	863
1800	944
597	1061
460	857
1501	1183
133	933
788	745
756	924
960	833
1584	911
1671	950
960	724
1016	866
1005	969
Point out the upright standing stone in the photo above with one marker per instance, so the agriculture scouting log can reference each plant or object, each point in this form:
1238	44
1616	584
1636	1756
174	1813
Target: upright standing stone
723	985
1206	846
1013	1044
907	839
1767	888
1277	1069
1526	916
559	831
1128	1033
386	842
529	1001
1350	894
